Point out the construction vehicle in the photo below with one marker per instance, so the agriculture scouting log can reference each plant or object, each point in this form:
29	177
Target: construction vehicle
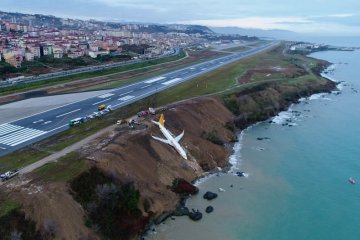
101	107
9	174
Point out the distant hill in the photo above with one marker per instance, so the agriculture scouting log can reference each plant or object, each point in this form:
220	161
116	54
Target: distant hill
61	23
274	33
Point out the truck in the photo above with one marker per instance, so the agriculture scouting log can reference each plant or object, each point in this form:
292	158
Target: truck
9	174
76	121
101	107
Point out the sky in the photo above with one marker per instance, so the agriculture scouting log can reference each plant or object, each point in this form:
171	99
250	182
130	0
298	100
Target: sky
323	17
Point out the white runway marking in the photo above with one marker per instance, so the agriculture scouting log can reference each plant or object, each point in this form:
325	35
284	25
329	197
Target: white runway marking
19	136
155	79
128	97
41	120
106	95
146	86
203	69
105	100
126	93
8	128
47	122
172	81
65	125
68	113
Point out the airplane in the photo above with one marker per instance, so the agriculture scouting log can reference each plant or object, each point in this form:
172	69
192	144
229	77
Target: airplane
170	139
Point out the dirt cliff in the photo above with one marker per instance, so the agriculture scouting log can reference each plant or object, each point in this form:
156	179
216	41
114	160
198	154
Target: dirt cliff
134	156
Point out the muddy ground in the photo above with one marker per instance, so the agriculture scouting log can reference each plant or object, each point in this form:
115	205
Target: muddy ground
133	156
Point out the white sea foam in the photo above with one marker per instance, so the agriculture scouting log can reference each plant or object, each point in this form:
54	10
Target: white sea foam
246	175
317	96
235	158
328	77
200	181
282	117
341	85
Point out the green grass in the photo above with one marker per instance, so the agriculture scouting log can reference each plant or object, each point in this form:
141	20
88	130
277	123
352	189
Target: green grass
237	49
7	206
258	43
119	83
65	169
50	82
21	158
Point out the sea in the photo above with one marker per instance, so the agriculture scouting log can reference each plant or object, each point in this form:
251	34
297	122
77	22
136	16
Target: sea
297	176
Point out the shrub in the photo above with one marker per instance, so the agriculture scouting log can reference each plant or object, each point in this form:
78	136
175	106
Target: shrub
213	137
231	104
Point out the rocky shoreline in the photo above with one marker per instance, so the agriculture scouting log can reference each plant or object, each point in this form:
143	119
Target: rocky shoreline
253	106
145	180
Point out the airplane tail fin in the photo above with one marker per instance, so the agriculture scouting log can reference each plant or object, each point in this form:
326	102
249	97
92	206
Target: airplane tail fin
162	120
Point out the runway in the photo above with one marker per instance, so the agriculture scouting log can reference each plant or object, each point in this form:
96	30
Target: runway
22	132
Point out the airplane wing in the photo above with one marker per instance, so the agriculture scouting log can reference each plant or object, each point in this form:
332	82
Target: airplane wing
161	140
178	138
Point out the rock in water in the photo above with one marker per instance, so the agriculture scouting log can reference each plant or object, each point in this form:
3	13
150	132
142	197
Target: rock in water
240	174
209	209
181	211
195	215
210	195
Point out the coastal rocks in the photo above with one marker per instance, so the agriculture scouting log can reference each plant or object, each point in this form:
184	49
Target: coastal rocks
181	211
263	138
249	106
181	186
240	174
195	215
162	217
210	195
209	209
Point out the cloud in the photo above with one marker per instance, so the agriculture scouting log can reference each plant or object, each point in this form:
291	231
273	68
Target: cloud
297	24
132	4
342	15
265	23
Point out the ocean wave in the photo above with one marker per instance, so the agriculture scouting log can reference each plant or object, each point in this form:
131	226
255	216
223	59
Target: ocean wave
328	77
282	117
203	179
319	96
341	85
235	158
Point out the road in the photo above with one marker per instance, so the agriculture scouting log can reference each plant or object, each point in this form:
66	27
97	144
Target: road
22	132
76	71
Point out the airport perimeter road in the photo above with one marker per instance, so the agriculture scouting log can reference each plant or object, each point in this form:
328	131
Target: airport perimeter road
76	71
17	134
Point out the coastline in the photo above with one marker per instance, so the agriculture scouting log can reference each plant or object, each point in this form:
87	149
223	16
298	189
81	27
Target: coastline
233	162
153	168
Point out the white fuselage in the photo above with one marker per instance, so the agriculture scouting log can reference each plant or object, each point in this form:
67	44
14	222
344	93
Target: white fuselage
172	141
